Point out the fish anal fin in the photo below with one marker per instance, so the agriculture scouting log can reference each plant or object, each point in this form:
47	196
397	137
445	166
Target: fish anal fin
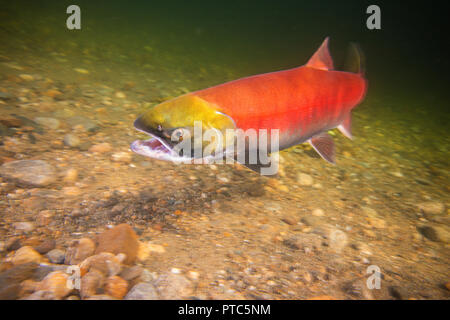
346	127
322	58
324	145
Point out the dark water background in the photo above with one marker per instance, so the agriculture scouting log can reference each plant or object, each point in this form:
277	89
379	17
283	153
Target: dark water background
407	61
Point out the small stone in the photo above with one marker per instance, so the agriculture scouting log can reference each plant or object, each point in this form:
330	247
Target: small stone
50	123
45	246
143	252
26	77
79	250
56	283
338	240
431	207
318	212
36	173
305	179
105	262
120	239
120	95
6	95
101	148
435	233
56	256
71	175
26	254
124	157
81	70
131	273
24	226
142	291
44	217
91	283
172	286
193	275
289	219
71	140
10	280
156	248
41	295
116	287
85	123
71	191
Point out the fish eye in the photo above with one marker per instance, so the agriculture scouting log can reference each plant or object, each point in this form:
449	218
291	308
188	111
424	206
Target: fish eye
159	128
178	134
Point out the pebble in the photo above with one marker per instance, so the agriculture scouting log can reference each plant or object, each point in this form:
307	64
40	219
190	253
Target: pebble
101	148
45	246
56	256
81	70
305	179
105	262
26	77
56	283
71	175
431	207
79	250
10	280
120	239
26	254
71	191
36	173
124	157
142	291
91	282
116	287
318	212
172	286
71	140
435	233
338	240
24	226
143	252
120	95
85	123
50	123
5	95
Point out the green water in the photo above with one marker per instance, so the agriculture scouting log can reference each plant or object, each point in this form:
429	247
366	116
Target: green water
153	50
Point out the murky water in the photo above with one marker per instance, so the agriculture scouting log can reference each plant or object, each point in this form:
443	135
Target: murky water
69	99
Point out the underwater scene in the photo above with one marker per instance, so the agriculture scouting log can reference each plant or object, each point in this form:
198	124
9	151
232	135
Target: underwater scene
96	202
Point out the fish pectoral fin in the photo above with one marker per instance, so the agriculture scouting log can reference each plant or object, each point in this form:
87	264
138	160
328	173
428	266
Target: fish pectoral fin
346	127
324	145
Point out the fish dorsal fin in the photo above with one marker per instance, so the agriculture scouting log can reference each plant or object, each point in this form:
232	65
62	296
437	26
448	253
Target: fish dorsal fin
321	59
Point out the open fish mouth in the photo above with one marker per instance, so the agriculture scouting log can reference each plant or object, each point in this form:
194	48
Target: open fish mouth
157	148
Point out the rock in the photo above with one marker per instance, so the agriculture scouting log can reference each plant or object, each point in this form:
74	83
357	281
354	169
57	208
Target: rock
104	262
116	287
156	248
24	226
71	175
143	252
79	250
71	140
101	148
85	123
124	157
35	173
50	123
318	212
435	233
11	279
6	95
56	283
172	286
91	283
56	256
338	240
45	246
289	219
120	95
13	244
26	254
131	273
11	122
431	207
120	239
304	179
81	70
44	217
142	291
26	77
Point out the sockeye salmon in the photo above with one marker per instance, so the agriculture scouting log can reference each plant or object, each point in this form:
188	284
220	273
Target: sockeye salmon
301	103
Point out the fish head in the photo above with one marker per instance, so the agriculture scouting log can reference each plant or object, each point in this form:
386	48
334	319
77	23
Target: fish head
177	129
